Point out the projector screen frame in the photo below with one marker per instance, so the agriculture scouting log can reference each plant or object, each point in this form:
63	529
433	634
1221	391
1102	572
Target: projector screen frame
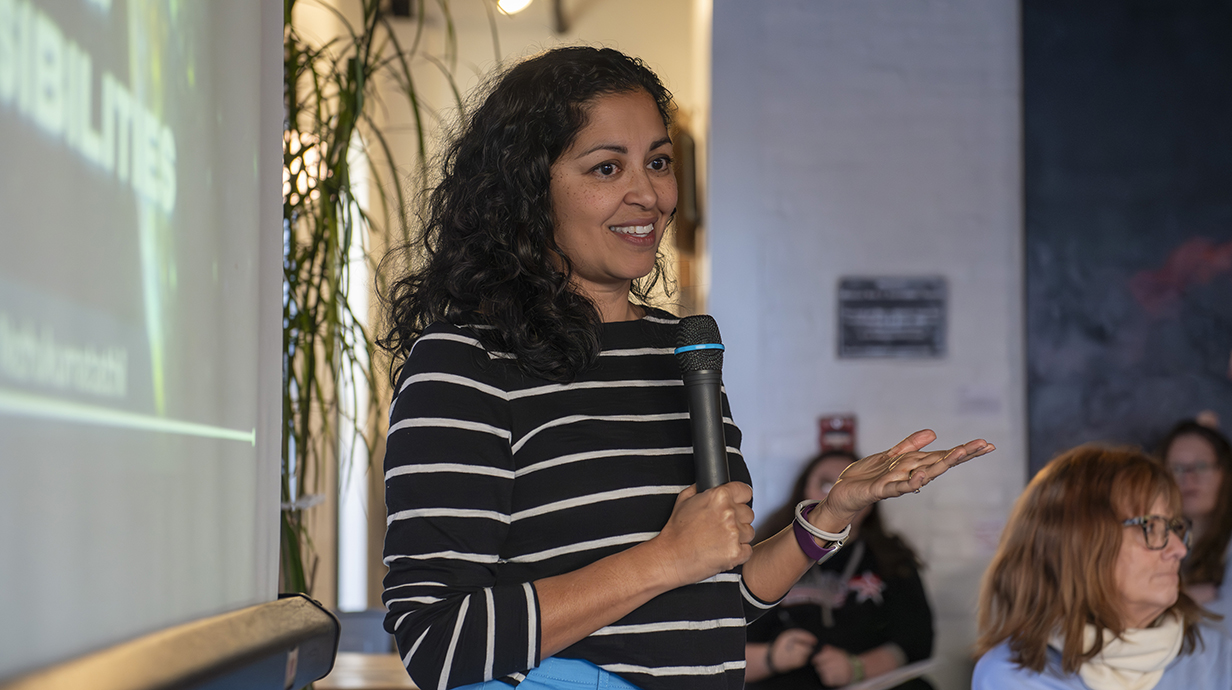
286	643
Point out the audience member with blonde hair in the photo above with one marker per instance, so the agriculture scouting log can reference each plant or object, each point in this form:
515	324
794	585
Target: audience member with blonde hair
1084	591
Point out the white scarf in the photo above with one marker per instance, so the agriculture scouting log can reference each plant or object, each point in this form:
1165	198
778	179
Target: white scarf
1135	661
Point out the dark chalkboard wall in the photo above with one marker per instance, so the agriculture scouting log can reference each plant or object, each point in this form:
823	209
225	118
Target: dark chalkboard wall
1128	191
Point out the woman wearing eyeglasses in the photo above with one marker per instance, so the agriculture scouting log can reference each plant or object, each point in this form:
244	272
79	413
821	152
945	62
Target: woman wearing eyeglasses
1084	590
1201	461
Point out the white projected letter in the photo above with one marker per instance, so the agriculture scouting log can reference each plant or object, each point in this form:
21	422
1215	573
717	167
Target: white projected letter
117	126
8	51
71	102
166	147
48	105
90	140
141	174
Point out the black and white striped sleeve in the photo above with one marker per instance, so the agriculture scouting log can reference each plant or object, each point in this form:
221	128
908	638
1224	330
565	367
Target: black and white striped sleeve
754	606
449	478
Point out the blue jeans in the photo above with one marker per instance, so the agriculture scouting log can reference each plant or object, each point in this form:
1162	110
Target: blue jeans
562	674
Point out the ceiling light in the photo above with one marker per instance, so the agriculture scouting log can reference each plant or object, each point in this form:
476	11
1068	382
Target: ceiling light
513	6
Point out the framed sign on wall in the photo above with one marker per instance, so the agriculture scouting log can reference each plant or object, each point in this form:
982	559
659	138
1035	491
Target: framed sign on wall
891	316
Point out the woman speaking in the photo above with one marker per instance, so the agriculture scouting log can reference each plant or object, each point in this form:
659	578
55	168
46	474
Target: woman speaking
543	528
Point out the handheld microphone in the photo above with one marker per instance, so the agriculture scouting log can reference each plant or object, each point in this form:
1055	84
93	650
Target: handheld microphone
699	349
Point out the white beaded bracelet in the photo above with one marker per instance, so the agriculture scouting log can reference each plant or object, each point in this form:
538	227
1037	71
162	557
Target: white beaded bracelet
803	506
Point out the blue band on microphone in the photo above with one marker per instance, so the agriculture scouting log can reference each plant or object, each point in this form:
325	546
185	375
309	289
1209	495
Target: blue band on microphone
703	346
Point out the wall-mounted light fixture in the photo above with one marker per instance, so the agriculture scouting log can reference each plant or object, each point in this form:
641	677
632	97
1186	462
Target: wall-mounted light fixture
405	8
513	6
560	20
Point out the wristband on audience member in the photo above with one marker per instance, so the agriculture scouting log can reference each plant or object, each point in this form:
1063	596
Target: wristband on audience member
805	532
857	667
770	659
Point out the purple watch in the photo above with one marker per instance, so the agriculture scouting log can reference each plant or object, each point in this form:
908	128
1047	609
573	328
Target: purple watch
805	532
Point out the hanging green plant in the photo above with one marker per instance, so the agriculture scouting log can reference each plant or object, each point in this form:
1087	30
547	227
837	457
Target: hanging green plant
331	373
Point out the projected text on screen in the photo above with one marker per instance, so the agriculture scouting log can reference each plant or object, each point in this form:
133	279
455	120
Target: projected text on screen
48	78
137	409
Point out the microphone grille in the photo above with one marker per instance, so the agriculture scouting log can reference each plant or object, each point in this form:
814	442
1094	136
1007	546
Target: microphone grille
699	330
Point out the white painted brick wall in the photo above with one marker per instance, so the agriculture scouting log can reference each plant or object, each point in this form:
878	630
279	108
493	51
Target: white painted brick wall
879	137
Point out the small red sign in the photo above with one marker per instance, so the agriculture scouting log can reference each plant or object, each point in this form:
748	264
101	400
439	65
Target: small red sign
837	432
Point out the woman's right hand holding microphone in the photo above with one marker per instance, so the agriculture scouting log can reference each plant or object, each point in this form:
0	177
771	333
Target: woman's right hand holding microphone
708	533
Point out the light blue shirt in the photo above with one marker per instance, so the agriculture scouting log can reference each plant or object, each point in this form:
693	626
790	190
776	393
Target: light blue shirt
1207	668
1222	604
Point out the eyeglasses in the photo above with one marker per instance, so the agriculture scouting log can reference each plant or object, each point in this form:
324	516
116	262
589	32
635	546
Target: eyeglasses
1199	469
1156	528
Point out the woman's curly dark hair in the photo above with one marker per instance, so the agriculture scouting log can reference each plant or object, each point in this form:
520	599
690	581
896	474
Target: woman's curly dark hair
487	242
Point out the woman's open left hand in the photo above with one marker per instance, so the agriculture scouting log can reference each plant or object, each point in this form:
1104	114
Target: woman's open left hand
904	468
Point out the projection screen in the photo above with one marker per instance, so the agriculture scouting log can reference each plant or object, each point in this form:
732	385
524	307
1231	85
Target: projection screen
139	318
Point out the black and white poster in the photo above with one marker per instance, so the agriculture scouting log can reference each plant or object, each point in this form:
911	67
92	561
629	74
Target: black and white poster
894	316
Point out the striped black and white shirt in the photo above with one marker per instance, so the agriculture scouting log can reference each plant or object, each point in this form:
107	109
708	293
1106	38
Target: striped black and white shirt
494	480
